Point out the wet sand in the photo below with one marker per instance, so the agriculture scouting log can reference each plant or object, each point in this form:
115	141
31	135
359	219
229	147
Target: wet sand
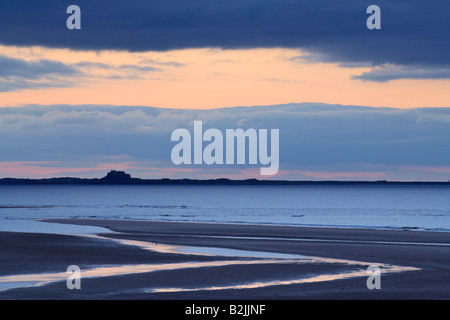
193	276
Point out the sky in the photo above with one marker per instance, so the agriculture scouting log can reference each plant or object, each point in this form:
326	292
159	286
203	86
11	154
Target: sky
350	103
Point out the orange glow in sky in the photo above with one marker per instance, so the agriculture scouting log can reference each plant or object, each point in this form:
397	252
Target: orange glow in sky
214	78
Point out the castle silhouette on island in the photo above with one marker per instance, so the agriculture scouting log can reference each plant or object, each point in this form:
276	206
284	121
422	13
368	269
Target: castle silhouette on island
117	176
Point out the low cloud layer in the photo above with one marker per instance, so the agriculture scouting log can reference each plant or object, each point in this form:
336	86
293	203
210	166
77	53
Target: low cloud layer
387	73
20	74
345	141
11	67
17	74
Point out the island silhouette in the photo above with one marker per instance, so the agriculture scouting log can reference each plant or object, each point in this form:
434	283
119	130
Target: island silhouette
116	177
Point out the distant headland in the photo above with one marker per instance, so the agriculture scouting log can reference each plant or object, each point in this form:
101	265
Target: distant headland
115	177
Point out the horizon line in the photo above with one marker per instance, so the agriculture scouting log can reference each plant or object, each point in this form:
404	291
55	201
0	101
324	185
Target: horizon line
121	177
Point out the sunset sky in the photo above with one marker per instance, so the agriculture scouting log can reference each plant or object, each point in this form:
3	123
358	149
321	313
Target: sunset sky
351	103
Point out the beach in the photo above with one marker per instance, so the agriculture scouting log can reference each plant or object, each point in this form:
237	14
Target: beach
159	261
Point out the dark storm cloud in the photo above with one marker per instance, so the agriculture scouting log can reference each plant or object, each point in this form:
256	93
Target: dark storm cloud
414	32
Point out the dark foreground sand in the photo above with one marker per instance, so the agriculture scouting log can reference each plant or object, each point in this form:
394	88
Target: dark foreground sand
25	253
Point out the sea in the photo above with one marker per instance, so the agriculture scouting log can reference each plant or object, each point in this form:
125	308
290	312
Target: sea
395	207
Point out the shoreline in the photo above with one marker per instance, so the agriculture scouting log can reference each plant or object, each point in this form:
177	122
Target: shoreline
73	221
288	232
424	250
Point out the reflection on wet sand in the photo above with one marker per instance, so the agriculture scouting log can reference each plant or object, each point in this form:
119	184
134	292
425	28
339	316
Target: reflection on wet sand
40	279
241	257
262	284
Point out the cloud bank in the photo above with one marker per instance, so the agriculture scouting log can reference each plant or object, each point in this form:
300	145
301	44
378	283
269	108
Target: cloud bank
316	140
387	73
414	32
18	74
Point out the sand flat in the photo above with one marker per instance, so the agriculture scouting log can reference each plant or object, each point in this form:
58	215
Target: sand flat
342	256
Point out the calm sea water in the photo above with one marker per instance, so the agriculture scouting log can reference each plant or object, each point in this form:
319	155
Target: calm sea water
391	207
